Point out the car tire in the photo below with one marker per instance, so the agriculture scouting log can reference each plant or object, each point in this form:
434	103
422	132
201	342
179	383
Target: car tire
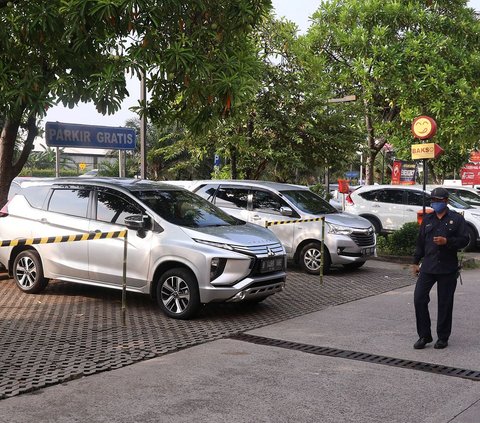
310	258
354	265
28	272
472	243
177	294
375	223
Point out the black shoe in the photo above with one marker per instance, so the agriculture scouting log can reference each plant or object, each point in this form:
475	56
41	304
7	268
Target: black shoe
420	344
441	344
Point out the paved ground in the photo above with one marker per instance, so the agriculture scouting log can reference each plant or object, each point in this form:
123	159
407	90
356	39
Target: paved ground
368	313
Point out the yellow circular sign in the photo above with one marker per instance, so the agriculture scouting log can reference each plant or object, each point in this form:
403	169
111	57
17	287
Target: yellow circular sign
424	127
82	166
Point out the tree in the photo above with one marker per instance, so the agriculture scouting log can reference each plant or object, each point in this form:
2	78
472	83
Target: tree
285	130
402	60
198	58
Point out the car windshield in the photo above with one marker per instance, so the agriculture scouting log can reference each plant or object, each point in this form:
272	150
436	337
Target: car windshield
309	202
184	208
457	202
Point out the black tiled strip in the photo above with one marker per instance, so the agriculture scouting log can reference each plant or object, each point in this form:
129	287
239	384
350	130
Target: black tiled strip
359	356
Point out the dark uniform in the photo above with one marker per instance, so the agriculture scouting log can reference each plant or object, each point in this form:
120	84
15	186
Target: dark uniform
440	265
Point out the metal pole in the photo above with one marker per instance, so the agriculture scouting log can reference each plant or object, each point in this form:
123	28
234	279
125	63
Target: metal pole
121	164
322	244
57	162
124	284
143	128
424	184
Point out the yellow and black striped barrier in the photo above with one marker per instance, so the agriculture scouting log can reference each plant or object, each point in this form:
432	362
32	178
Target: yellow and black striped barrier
283	222
81	237
313	219
64	238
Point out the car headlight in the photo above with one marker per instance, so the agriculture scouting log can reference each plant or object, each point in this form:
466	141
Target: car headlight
338	229
214	244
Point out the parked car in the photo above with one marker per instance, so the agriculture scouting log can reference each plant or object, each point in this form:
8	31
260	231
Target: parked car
182	250
468	194
389	207
90	174
349	240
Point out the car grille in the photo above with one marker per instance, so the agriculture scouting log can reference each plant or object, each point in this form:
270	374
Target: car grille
275	249
363	239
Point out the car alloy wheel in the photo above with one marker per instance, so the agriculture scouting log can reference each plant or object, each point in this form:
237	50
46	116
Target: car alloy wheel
177	294
28	272
311	256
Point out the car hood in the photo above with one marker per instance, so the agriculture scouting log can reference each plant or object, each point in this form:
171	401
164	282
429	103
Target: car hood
247	234
348	219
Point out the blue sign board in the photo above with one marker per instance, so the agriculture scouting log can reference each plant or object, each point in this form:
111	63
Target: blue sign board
59	134
352	174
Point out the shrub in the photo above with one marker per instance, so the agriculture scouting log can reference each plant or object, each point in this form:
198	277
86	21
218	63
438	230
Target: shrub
321	190
401	242
46	173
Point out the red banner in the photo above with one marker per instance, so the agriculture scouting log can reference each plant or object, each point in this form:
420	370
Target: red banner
343	186
403	173
470	174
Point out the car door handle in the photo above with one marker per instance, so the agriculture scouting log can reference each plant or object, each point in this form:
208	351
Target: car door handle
377	206
256	217
43	220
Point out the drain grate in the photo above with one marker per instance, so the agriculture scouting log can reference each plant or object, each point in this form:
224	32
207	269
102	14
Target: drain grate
359	356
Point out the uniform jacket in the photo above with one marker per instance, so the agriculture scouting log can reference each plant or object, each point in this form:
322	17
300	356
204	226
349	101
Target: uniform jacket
440	259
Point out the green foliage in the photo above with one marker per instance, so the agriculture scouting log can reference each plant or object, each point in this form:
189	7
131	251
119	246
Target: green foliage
401	242
46	173
283	131
321	190
402	60
199	59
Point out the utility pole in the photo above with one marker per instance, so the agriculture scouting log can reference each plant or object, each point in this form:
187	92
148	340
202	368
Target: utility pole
143	127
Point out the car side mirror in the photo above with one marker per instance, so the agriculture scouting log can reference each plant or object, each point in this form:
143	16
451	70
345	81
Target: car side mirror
286	211
137	222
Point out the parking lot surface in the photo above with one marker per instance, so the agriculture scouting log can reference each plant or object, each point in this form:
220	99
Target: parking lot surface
70	331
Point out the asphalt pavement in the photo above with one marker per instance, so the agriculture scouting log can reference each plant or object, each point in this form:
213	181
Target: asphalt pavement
352	362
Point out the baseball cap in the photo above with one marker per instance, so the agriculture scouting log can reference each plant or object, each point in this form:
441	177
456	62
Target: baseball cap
439	192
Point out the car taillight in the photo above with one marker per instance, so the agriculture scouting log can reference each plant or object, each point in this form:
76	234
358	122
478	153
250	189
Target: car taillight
348	200
4	211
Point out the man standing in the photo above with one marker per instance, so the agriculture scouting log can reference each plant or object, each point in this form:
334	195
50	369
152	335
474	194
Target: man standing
442	234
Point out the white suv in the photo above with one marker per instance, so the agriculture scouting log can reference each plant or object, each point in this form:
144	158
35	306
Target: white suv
389	207
182	250
349	240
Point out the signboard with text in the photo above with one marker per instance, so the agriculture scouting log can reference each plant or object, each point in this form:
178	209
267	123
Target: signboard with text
470	174
59	134
403	173
426	151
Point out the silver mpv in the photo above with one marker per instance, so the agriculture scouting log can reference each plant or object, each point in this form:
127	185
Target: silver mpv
349	240
182	250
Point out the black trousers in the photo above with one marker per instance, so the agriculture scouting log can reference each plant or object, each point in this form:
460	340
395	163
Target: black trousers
446	285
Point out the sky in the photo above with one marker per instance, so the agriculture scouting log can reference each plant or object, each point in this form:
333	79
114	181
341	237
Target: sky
298	11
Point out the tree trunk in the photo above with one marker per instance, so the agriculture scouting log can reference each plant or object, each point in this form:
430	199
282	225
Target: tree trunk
371	152
8	168
233	162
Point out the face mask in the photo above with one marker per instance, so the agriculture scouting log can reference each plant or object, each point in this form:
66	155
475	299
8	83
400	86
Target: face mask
439	206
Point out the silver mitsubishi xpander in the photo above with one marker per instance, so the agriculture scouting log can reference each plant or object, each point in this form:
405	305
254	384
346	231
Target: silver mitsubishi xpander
182	250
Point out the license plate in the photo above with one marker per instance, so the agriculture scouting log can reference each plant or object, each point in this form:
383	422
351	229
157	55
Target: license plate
271	264
368	251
